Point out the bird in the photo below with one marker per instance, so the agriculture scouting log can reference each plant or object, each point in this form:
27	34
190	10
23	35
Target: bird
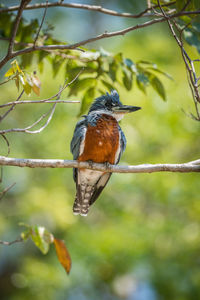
97	138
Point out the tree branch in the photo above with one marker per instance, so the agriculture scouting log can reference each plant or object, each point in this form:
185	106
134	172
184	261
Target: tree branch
189	63
96	8
19	240
58	163
2	194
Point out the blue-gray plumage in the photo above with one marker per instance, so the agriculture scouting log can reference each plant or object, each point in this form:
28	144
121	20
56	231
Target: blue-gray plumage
97	138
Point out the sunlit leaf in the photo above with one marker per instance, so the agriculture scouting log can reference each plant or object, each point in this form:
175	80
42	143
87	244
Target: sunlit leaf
27	88
10	72
41	238
161	72
63	254
36	84
16	67
104	53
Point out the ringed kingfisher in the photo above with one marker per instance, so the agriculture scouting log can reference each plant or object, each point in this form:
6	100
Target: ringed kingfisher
97	138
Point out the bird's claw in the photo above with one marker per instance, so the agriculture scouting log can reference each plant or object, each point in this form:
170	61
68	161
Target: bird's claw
90	162
107	165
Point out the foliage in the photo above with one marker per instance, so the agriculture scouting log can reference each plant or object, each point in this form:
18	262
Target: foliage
42	238
102	70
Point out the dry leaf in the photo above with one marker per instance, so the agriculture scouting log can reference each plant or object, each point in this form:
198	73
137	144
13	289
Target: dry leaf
63	254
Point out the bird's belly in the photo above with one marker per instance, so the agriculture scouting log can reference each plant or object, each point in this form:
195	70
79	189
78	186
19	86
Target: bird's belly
89	177
101	142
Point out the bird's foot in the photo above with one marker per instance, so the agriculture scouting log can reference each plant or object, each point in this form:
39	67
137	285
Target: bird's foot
107	165
91	163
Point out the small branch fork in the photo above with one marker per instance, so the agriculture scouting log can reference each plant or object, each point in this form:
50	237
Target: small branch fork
193	79
49	113
193	166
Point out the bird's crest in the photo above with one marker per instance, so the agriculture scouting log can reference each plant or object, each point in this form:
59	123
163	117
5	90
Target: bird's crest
106	101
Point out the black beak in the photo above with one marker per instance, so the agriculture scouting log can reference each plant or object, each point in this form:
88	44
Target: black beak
125	109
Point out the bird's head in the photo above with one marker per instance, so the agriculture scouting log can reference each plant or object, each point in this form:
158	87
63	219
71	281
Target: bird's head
111	104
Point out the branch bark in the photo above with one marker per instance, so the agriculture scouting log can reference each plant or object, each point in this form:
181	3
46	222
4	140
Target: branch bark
96	8
188	167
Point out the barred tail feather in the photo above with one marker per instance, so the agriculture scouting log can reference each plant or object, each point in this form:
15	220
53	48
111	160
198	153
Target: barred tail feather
82	200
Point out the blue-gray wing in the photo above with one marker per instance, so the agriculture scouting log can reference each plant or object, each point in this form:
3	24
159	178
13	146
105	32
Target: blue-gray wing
122	144
78	137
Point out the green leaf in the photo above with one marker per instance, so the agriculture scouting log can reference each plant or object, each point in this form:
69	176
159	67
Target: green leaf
158	86
130	65
56	65
104	53
86	101
17	82
108	85
27	88
41	238
192	37
127	78
118	57
142	81
161	72
113	67
81	85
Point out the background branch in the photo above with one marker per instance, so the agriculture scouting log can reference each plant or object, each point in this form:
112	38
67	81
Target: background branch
58	163
96	8
189	63
19	240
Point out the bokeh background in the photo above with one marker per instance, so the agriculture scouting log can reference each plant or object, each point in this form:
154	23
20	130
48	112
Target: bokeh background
141	239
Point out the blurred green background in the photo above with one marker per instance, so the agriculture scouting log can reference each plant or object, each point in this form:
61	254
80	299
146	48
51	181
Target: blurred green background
141	239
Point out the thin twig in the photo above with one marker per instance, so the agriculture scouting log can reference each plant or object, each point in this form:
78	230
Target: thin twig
1	176
7	143
192	78
2	194
58	163
96	8
12	107
19	240
43	17
37	102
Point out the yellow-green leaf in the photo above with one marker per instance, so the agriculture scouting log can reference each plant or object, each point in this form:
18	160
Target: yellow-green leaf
27	88
16	67
39	236
10	72
17	82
